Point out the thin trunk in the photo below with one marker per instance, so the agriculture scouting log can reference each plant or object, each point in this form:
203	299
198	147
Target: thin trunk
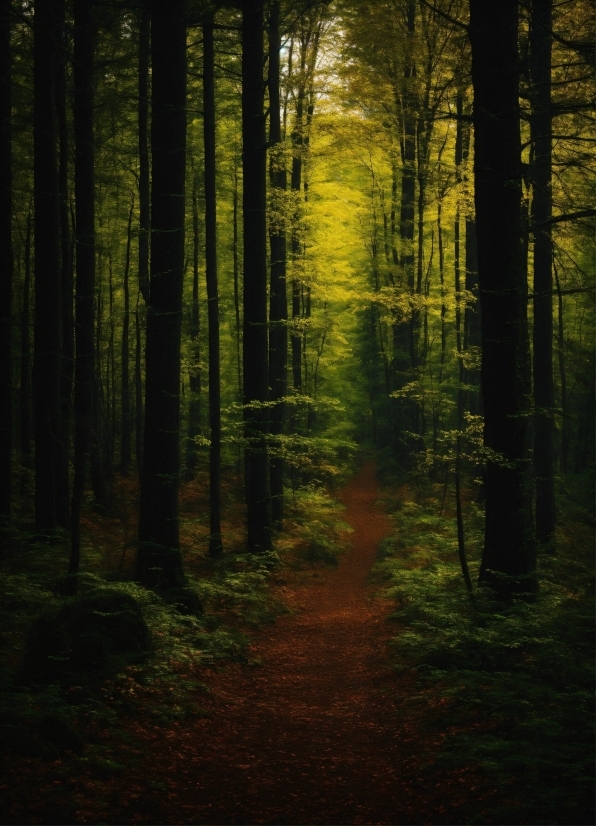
111	372
159	559
125	437
215	539
443	291
255	355
278	304
139	418
565	434
66	284
25	394
143	121
508	560
236	275
47	347
85	379
296	185
460	363
194	407
6	260
542	208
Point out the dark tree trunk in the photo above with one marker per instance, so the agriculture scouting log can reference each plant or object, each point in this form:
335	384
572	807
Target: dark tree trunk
46	369
215	541
194	407
278	302
255	367
143	120
125	439
542	207
144	219
159	558
236	275
459	347
565	434
296	184
6	260
25	394
509	549
404	356
66	283
85	260
139	416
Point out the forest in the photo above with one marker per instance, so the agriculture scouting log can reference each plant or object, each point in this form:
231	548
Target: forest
297	411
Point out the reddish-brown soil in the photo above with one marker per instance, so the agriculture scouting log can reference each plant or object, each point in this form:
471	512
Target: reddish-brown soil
315	729
313	735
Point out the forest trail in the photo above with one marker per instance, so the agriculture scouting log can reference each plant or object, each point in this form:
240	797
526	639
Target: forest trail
311	736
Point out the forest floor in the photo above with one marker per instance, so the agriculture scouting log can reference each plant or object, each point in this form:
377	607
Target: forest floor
315	728
311	731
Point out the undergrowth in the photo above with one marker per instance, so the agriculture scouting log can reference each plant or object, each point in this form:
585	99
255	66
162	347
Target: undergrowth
191	630
512	684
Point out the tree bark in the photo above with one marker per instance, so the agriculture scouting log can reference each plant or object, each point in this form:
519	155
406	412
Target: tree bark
215	540
508	560
143	121
254	200
159	559
25	386
194	407
47	346
85	379
278	302
125	438
542	208
6	260
66	283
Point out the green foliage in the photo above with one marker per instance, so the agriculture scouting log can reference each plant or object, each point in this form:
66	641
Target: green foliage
516	679
318	530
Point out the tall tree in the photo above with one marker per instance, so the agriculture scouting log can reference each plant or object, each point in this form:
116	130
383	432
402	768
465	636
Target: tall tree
46	368
125	439
66	279
144	57
278	301
6	259
508	546
215	541
542	209
85	261
159	558
255	354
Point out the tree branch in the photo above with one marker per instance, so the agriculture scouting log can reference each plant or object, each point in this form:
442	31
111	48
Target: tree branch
446	16
568	216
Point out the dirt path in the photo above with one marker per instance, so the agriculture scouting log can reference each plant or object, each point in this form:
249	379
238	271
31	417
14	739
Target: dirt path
312	736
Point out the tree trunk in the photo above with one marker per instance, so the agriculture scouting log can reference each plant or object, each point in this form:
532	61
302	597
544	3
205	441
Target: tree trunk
215	540
278	303
255	367
194	407
47	346
542	208
139	416
159	558
66	283
85	379
6	261
25	394
125	438
508	560
143	120
296	184
459	347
